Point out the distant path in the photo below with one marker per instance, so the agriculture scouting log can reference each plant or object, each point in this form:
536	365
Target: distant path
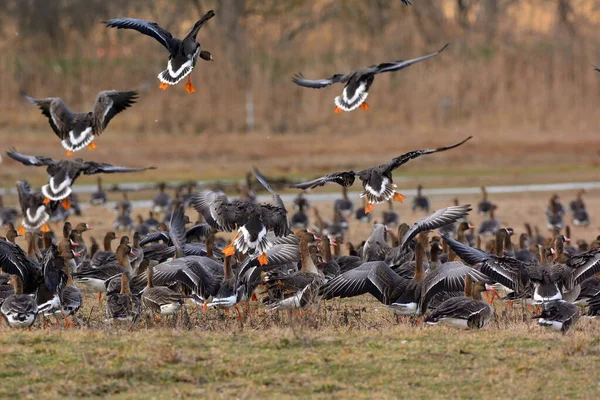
331	196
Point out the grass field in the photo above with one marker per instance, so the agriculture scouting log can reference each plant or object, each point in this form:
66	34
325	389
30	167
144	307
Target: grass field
351	348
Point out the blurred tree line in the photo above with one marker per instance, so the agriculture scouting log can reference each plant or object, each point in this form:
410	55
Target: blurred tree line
510	61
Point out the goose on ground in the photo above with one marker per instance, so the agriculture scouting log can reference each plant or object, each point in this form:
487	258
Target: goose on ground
559	315
98	198
19	310
420	202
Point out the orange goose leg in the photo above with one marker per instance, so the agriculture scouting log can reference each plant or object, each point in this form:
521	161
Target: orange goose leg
229	250
189	87
69	153
368	208
163	86
337	110
92	146
239	313
66	204
99	297
263	259
398	197
46	201
364	106
45	228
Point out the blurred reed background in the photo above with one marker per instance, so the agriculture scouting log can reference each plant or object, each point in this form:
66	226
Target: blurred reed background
515	69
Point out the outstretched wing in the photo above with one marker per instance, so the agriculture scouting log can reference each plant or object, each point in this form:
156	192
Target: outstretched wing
299	80
263	181
194	31
24	192
108	104
345	179
401	64
58	114
149	28
38	161
436	220
404	158
91	167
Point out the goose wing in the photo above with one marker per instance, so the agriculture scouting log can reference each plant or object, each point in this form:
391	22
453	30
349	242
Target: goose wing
401	64
148	28
60	117
436	220
91	168
404	158
345	179
108	104
300	80
38	161
585	265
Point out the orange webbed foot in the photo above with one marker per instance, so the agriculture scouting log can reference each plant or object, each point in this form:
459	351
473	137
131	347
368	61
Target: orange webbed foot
99	297
204	307
46	201
254	298
69	153
229	250
163	86
364	106
337	110
189	87
21	231
263	259
92	146
399	197
45	228
368	208
66	203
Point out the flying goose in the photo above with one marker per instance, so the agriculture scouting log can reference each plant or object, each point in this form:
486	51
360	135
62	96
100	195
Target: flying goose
377	181
78	130
357	83
183	53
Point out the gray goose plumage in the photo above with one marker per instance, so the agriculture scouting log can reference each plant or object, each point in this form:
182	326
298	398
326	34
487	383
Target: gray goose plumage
183	53
559	315
252	221
63	173
160	299
468	312
36	210
19	310
377	181
357	83
78	130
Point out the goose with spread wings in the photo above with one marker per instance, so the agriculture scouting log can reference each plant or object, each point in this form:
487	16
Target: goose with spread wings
78	130
377	181
357	83
183	53
36	210
252	221
63	173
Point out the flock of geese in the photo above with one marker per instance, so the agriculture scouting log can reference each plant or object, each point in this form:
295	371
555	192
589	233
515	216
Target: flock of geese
281	260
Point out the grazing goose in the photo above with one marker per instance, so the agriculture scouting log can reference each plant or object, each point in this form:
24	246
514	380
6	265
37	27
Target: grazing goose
119	305
420	202
19	310
390	217
97	276
62	174
7	215
98	197
579	214
344	205
300	218
162	201
491	225
252	221
468	312
357	83
554	213
484	206
78	130
559	315
229	293
160	299
297	290
70	297
183	54
377	181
